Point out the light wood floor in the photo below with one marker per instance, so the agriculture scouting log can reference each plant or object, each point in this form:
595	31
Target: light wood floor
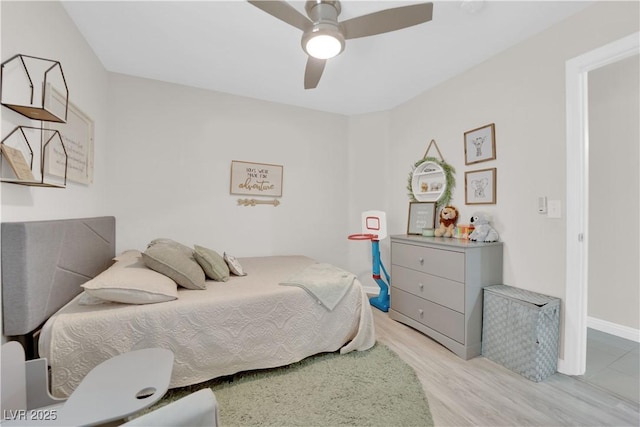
479	392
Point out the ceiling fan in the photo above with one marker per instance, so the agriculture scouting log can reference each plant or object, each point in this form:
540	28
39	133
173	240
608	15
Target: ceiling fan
324	37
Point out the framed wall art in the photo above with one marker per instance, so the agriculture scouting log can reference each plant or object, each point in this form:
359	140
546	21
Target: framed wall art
480	144
77	135
256	179
480	187
421	215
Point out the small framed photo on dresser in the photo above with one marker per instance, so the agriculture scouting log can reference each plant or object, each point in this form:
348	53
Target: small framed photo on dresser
421	215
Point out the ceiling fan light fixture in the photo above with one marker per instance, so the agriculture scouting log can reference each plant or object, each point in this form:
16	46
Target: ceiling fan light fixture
323	42
324	36
323	46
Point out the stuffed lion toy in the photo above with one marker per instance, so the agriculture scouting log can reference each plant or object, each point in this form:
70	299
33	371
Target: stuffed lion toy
448	219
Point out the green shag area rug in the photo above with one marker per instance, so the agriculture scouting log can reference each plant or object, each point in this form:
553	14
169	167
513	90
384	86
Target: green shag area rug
369	388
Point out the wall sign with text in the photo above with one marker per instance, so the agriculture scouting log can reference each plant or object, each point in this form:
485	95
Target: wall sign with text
256	179
77	135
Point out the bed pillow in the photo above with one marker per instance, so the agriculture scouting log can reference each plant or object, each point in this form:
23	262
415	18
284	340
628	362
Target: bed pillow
131	284
212	263
129	254
174	263
234	265
86	299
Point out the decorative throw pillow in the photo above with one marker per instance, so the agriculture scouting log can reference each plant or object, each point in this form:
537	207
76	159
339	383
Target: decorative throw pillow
212	263
131	284
234	265
172	243
174	263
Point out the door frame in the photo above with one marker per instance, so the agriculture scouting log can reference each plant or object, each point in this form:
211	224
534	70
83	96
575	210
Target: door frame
577	195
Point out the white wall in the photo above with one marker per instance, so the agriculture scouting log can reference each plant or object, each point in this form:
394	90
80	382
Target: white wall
45	30
522	91
614	183
169	159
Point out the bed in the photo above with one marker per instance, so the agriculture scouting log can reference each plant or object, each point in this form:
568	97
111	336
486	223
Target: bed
245	323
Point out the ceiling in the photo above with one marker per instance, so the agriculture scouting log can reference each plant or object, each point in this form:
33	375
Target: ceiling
233	47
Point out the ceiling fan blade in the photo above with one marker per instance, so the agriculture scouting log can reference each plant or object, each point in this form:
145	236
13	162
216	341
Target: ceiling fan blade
284	12
387	20
313	72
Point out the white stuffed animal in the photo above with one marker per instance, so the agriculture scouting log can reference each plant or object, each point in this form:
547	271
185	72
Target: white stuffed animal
483	231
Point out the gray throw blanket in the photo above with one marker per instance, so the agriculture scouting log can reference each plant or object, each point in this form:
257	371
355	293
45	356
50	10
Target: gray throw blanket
327	283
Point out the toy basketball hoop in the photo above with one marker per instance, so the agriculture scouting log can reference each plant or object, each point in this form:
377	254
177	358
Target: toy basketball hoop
374	228
363	237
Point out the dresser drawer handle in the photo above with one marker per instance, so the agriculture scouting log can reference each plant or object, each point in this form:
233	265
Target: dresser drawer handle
421	261
421	313
421	286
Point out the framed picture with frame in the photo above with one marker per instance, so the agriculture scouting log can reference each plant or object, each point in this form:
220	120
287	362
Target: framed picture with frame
421	215
256	179
480	187
78	138
480	144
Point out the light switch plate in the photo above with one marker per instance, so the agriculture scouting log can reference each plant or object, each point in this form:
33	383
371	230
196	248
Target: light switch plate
554	209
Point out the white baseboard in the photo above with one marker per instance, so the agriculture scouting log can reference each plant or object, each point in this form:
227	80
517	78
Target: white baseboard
371	290
614	329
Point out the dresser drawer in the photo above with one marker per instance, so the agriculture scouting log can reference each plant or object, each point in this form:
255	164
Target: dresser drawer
438	262
447	322
445	292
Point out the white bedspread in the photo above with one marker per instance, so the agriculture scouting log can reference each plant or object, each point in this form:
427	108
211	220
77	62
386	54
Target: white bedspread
247	323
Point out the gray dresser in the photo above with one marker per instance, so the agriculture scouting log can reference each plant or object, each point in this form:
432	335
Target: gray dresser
436	287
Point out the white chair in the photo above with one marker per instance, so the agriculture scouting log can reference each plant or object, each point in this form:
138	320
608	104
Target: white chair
25	384
114	390
199	409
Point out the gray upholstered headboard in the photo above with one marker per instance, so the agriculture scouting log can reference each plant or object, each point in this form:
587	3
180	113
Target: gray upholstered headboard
45	262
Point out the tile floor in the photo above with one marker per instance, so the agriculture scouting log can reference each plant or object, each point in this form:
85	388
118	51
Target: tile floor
613	363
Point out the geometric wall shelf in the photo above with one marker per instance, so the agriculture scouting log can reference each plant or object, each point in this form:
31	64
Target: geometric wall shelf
25	83
17	157
428	182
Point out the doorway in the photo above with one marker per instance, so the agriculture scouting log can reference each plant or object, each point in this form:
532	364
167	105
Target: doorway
577	238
